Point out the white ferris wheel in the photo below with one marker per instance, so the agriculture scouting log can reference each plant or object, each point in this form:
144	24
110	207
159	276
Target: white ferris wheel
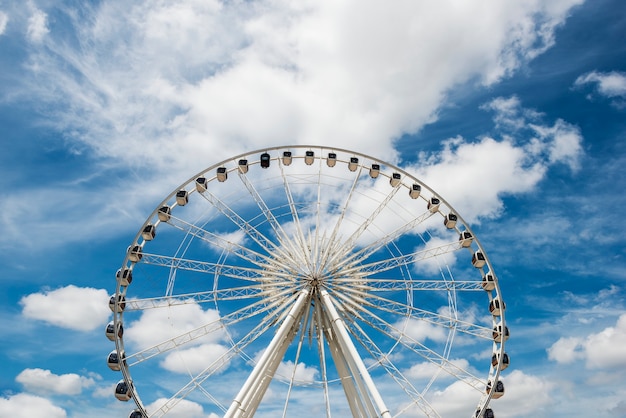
307	281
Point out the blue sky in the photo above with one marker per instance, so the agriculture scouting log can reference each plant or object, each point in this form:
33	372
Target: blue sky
513	112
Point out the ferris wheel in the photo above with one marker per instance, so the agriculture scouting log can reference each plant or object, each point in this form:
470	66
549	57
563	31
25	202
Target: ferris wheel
307	281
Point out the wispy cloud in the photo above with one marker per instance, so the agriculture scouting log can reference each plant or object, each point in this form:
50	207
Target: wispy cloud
608	84
37	26
4	19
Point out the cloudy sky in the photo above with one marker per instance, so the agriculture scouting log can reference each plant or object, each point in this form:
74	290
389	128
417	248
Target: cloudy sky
513	111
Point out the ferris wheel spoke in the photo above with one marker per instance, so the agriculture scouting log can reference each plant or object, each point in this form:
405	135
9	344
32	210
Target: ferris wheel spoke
278	230
300	238
220	242
393	284
404	260
350	243
255	275
333	242
383	359
357	299
393	332
367	251
263	241
244	313
233	293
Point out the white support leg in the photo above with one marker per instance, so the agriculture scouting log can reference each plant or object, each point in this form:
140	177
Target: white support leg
250	393
352	356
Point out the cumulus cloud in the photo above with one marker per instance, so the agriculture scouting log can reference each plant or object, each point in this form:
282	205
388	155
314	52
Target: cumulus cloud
519	388
420	330
183	409
4	19
24	405
77	308
474	176
45	382
195	359
602	350
157	325
611	85
303	373
37	26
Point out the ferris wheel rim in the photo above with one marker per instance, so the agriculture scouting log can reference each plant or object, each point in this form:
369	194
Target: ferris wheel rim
121	289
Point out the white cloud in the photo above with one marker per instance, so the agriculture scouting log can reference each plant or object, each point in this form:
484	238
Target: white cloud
519	388
426	370
4	19
195	359
611	84
303	373
602	350
45	382
269	74
77	308
183	409
420	330
157	325
473	176
24	405
37	26
566	350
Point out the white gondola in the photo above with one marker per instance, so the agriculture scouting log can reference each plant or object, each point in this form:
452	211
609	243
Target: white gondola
243	166
332	159
498	389
353	164
134	253
374	170
496	306
201	183
287	157
395	179
478	259
182	197
165	213
495	359
149	232
308	157
500	335
466	238
136	414
114	361
415	191
222	174
124	276
265	160
117	307
124	391
450	220
489	282
109	331
433	204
